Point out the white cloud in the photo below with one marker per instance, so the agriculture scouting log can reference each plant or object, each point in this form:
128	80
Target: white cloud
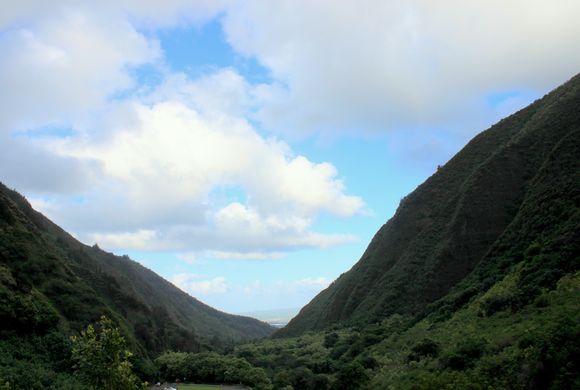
385	65
259	294
284	229
189	257
159	173
62	61
26	164
201	256
149	13
149	169
156	170
214	94
61	67
308	286
246	255
140	239
195	285
320	282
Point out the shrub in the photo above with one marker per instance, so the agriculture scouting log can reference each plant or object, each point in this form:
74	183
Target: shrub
330	340
424	348
465	354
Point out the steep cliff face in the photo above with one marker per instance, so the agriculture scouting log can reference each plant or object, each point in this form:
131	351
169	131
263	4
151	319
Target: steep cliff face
50	280
510	196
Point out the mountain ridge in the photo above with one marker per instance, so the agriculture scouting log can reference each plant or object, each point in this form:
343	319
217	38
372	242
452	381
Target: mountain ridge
39	261
444	229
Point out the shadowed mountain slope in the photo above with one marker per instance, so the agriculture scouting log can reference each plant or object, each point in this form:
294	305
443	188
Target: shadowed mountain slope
509	198
48	279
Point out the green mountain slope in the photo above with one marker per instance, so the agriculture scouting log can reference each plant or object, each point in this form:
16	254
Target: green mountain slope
509	198
533	346
49	280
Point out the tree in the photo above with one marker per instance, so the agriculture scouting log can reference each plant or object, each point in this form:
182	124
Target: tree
101	358
351	376
172	365
330	340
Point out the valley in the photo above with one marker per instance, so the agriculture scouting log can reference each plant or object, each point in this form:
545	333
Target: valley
473	284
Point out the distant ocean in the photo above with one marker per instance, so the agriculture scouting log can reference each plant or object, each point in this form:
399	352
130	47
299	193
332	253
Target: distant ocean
277	318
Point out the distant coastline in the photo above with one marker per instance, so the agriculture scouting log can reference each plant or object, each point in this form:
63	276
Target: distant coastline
278	318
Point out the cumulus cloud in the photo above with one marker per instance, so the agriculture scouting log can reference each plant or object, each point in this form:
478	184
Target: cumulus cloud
140	239
164	177
182	166
58	68
149	13
320	282
245	255
221	92
184	156
61	62
384	65
282	288
171	161
29	165
221	292
195	284
200	257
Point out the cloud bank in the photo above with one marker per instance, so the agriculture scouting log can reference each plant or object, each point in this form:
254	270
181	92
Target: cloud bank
197	165
385	65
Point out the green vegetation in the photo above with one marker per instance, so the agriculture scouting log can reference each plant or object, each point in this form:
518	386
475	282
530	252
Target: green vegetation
210	367
52	287
206	387
536	347
101	358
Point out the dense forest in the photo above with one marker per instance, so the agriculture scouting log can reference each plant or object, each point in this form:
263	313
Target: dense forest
473	284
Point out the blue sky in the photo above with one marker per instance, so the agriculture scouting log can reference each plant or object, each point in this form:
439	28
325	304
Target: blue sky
248	152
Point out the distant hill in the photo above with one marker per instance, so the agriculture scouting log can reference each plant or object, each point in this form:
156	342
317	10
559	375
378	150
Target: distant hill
509	200
49	281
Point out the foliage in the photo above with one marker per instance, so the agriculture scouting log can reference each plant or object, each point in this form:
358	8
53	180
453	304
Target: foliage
351	377
330	340
536	346
465	354
424	348
210	367
36	362
52	286
101	358
47	278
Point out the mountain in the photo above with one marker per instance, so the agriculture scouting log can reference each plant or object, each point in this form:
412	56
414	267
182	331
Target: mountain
473	284
508	201
49	281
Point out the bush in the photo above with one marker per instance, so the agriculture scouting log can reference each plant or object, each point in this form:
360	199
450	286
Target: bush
424	348
330	340
465	354
497	303
351	377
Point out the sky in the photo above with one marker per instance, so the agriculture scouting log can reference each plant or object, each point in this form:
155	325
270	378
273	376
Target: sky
248	151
